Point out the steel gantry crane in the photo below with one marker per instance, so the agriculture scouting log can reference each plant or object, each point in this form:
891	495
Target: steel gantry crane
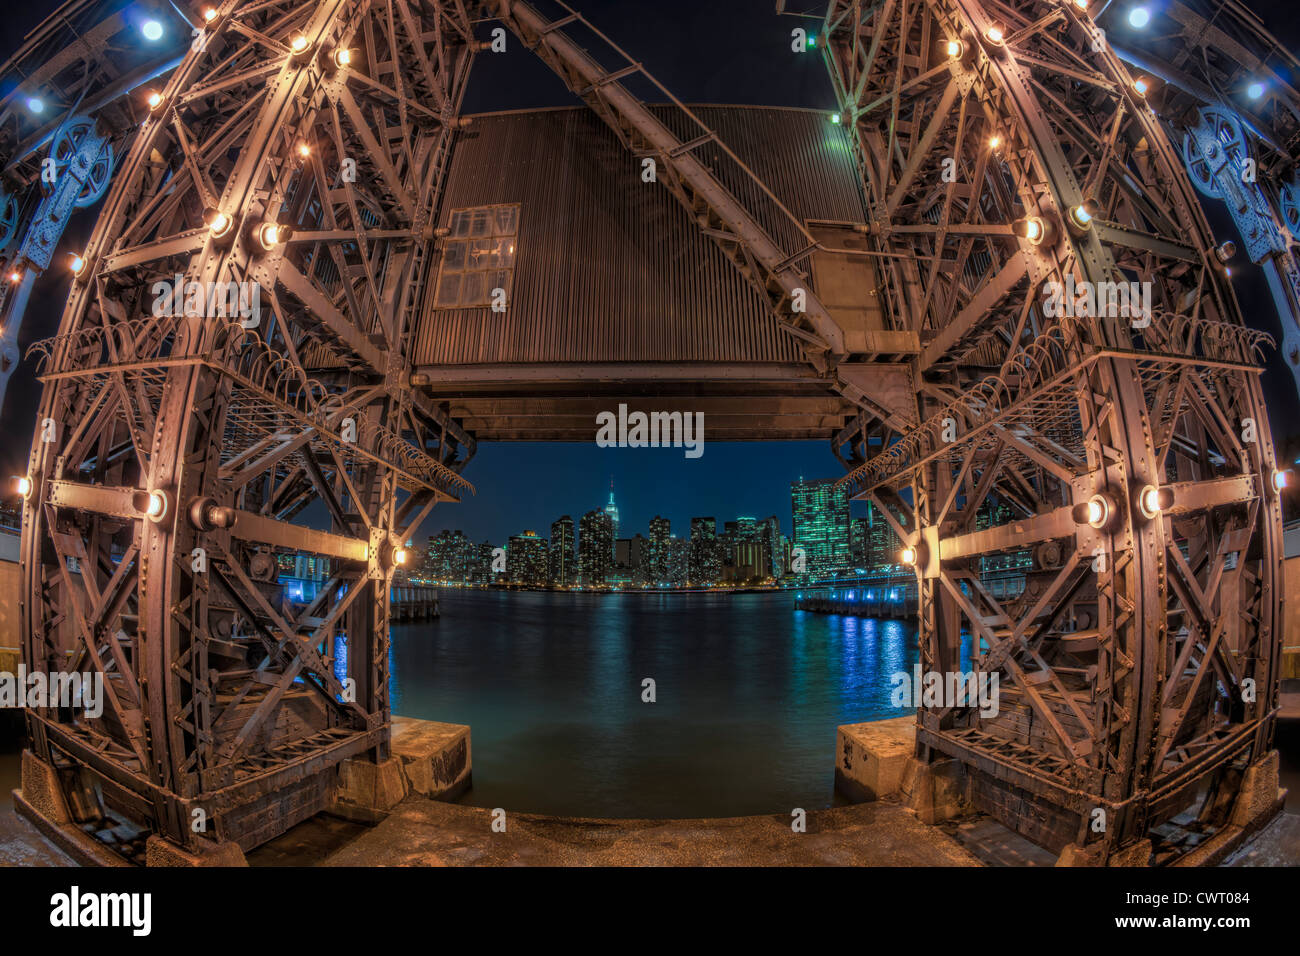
299	149
1026	203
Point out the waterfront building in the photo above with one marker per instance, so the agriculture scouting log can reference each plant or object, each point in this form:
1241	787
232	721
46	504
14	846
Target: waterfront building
562	568
678	560
704	565
657	559
820	513
449	556
526	559
595	548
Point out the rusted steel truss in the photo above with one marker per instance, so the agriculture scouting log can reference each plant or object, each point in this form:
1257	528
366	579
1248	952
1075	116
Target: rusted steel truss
179	434
1139	669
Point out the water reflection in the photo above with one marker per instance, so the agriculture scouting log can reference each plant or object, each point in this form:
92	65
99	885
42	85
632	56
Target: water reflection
749	693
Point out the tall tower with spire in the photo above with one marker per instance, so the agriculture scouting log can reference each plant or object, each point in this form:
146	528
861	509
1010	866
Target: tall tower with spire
611	509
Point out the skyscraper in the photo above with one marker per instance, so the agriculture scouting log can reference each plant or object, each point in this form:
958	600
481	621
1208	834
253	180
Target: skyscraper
562	569
704	565
820	512
611	509
595	547
526	559
660	532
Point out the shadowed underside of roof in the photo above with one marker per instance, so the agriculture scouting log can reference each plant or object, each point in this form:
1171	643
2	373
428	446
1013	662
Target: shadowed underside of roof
617	294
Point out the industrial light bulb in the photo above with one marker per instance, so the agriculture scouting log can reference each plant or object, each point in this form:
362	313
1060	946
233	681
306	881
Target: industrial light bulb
909	555
22	485
1280	479
954	48
343	57
270	234
994	35
209	14
298	43
155	100
218	223
1141	86
78	264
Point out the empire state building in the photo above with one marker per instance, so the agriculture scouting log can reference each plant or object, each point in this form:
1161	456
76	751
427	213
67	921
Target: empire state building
611	509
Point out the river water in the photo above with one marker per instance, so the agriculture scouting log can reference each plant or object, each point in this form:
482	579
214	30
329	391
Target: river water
748	693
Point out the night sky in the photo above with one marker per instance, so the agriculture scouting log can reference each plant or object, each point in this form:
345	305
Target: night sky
720	51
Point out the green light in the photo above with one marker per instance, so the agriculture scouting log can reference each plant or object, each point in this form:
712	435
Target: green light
835	118
812	43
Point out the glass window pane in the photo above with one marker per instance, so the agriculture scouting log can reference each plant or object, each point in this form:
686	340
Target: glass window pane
453	256
506	220
449	289
460	223
480	222
471	289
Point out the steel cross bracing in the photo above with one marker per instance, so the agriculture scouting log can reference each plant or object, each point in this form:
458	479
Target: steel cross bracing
179	437
1222	87
1140	666
69	102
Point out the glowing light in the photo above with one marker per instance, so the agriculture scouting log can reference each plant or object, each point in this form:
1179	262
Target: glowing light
1149	501
1081	4
304	150
15	276
1255	90
343	57
994	35
218	223
1141	86
1097	511
22	485
1280	479
298	43
1083	214
155	100
156	506
152	30
1034	230
400	556
908	556
995	142
835	118
812	42
270	234
36	104
209	14
1139	17
954	48
78	264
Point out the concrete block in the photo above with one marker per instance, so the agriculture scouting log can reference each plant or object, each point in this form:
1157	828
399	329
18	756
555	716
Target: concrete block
160	852
367	791
435	758
41	790
935	791
1135	854
1260	795
872	756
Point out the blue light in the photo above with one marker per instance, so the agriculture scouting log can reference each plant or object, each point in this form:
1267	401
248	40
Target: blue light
152	30
1255	90
1139	17
36	105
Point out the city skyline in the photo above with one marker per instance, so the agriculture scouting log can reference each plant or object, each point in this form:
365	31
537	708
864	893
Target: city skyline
527	486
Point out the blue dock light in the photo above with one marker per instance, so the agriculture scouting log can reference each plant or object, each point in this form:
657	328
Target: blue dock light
1139	17
152	30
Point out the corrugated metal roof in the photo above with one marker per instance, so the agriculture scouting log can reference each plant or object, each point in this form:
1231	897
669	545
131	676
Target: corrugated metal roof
610	268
